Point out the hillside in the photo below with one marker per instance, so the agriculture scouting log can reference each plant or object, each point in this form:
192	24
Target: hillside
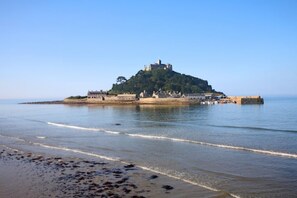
167	80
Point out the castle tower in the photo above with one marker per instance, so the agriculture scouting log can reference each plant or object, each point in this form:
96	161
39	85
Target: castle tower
169	67
157	65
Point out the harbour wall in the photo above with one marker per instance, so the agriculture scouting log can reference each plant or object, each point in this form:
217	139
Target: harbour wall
246	99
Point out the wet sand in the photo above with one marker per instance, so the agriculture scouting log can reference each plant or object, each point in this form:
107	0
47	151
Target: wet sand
25	174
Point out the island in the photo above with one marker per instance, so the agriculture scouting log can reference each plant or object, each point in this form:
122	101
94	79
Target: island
158	84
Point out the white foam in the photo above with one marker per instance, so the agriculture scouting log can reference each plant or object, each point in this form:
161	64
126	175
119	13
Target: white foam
112	132
40	137
149	136
82	128
178	178
267	152
77	151
73	127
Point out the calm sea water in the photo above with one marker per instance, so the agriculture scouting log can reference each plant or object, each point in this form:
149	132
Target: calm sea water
245	151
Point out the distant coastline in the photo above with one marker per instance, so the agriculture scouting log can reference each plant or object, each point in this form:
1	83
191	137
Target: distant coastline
241	100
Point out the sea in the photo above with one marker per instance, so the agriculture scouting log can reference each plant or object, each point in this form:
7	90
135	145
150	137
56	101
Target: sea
240	150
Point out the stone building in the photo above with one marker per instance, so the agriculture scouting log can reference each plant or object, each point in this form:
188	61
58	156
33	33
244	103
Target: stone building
143	94
105	96
158	65
195	96
97	94
166	94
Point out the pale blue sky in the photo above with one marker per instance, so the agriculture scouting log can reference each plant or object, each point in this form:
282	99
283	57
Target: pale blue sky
51	49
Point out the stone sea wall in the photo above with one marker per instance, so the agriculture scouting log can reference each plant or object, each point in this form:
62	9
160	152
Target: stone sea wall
166	101
247	99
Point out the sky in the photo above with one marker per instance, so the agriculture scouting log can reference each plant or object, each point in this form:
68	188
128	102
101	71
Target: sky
54	49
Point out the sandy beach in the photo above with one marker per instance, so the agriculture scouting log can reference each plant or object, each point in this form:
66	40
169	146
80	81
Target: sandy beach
26	174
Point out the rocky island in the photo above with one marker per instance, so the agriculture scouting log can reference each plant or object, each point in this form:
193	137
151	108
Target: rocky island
158	84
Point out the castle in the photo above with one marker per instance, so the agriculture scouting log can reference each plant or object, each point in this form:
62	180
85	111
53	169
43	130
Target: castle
158	65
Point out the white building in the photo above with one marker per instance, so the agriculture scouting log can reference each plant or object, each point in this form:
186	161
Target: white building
195	96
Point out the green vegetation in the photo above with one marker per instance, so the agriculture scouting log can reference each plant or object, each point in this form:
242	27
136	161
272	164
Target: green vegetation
77	97
160	79
121	79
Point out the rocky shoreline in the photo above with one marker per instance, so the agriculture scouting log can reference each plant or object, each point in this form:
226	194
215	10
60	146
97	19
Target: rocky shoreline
43	175
148	101
45	102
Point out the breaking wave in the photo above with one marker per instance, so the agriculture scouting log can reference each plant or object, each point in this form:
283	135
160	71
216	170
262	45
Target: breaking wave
77	151
154	137
82	128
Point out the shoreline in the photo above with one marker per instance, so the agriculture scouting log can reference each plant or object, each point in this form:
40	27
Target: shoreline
241	100
28	174
134	103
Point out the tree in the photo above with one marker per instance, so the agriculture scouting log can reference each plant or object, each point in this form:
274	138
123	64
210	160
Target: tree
121	79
